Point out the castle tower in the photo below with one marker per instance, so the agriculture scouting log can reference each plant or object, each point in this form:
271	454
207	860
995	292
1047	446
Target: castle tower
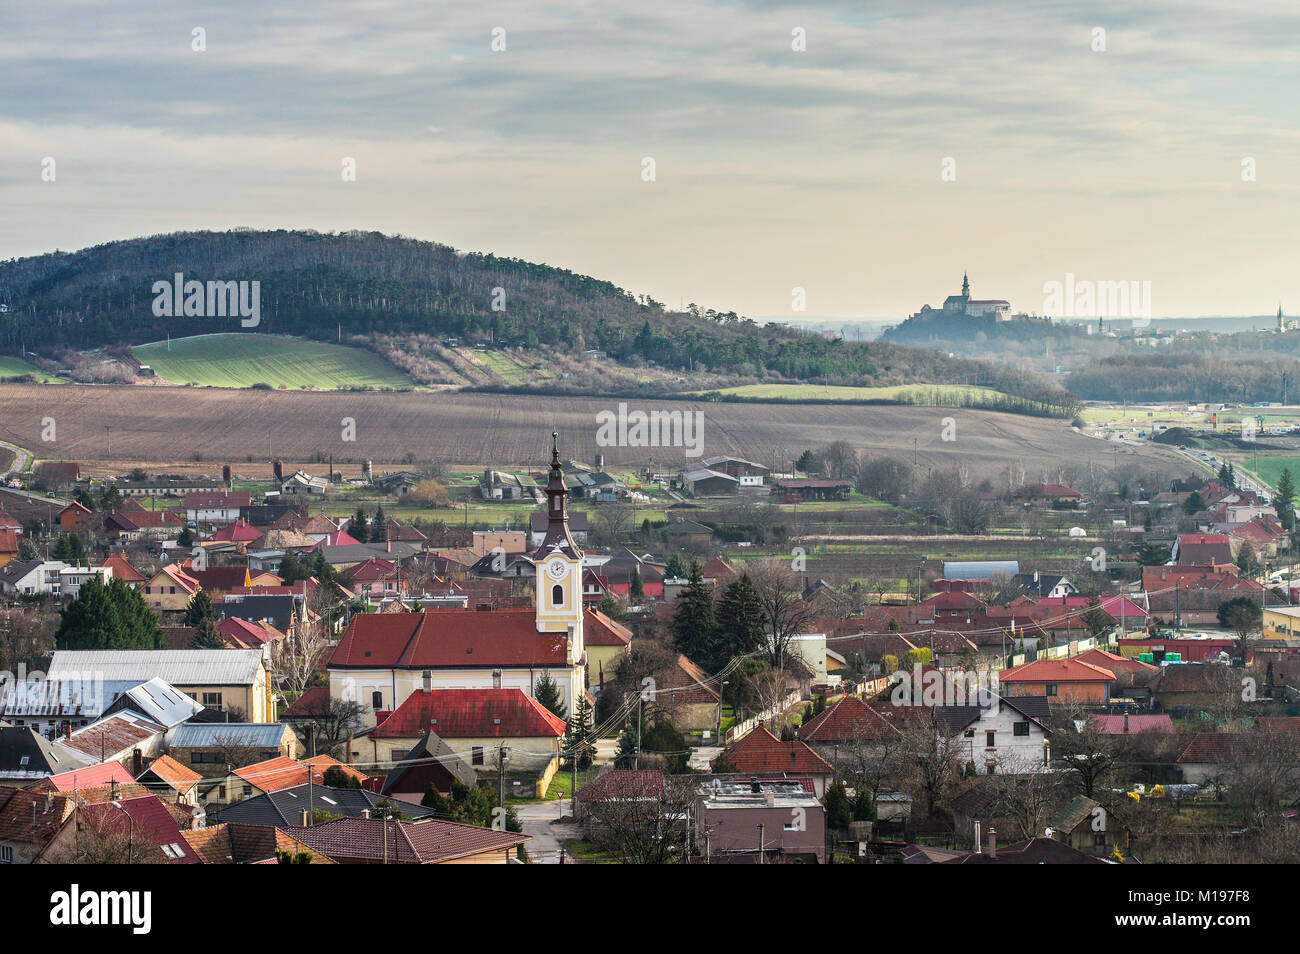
965	285
559	570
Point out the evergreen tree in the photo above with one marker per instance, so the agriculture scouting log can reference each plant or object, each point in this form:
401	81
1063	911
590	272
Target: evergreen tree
547	693
579	736
676	567
694	627
27	550
611	607
111	498
83	497
664	739
185	538
379	529
207	636
742	624
291	571
1284	499
637	587
199	609
839	810
357	528
1247	561
1194	503
112	616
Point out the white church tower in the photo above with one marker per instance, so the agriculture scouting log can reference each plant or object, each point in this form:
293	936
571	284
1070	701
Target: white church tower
559	576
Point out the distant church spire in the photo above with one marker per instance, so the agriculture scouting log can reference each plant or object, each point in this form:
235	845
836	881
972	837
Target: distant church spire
1281	322
965	285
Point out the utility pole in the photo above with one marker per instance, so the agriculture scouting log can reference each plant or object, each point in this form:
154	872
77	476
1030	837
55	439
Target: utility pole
761	842
503	755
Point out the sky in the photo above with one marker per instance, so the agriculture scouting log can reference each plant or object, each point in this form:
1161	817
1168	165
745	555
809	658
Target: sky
1119	155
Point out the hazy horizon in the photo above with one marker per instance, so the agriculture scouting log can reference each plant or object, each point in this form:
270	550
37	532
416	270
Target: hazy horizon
775	169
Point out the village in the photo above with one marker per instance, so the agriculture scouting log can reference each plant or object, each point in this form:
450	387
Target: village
630	666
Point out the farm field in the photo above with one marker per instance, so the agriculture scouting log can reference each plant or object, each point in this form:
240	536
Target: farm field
242	360
13	367
832	392
1271	467
302	428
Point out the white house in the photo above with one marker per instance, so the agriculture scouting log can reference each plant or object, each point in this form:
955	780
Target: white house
1008	736
71	578
30	577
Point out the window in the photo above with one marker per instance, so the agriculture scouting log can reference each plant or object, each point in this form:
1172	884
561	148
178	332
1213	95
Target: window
1022	728
476	755
221	792
970	733
248	791
991	769
6	855
398	754
1051	688
1099	839
212	700
557	595
376	700
990	739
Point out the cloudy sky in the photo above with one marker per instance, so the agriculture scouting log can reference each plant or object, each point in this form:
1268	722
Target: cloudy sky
774	168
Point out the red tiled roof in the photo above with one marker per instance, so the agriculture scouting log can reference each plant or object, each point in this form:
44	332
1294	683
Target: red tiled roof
150	822
284	772
123	570
8	540
470	714
1056	670
851	719
1114	724
424	842
313	702
1212	747
624	784
92	776
761	752
247	635
1116	664
178	776
599	630
448	638
238	531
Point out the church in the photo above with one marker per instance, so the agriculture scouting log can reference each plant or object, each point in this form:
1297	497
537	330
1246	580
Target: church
384	657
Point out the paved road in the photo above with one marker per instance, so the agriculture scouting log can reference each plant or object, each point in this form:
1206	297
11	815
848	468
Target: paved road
537	818
22	458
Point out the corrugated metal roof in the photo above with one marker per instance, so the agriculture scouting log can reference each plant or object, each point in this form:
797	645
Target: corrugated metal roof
180	667
162	702
200	735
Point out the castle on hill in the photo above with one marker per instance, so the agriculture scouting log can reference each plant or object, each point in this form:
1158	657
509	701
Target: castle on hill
963	305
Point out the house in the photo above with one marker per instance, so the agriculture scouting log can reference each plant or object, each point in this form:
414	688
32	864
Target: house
1209	757
428	842
688	533
171	588
1087	827
430	763
759	822
1195	686
279	610
1060	680
607	642
120	737
223	680
270	775
124	571
300	482
30	819
30	577
91	776
72	578
233	843
849	728
165	772
626	788
143	821
72	699
27	757
1203	549
1043	584
686	693
1126	724
1048	494
8	545
737	467
209	747
376	578
761	753
1031	851
488	724
298	804
58	474
238	532
74	517
1007	736
215	508
579	527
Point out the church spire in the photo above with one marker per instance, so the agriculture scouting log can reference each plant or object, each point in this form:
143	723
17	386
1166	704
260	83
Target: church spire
965	285
557	517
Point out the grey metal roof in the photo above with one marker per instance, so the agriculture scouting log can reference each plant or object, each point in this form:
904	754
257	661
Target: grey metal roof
160	701
979	569
180	667
285	807
202	735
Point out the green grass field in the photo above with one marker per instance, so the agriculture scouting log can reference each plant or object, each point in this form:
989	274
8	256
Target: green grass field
1270	468
242	360
11	367
835	392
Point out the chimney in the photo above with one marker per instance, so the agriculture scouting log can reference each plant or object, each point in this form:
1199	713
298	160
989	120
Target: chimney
67	731
365	813
278	469
225	475
306	819
1126	720
426	680
496	678
137	763
993	844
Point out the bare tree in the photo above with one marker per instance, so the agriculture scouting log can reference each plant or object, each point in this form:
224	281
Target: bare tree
643	825
786	612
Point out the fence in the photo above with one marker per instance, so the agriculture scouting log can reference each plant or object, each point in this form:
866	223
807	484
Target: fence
742	729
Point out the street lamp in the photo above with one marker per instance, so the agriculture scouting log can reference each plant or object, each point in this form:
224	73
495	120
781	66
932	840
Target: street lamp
130	832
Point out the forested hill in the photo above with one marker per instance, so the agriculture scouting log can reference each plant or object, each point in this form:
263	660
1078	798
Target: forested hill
397	288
